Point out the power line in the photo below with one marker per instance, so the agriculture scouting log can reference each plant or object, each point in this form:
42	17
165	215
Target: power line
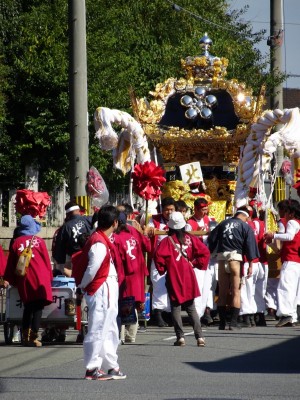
176	7
267	22
233	7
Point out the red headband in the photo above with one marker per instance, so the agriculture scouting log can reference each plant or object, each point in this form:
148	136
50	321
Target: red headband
201	205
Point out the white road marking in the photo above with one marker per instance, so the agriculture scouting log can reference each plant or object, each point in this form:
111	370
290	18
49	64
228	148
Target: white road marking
186	334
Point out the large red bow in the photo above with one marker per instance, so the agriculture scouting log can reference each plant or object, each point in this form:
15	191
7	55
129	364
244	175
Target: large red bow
148	178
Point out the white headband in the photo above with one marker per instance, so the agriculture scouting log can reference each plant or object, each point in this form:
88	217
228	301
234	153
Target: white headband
73	208
243	212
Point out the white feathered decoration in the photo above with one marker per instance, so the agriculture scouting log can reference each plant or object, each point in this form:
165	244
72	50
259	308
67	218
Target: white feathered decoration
108	138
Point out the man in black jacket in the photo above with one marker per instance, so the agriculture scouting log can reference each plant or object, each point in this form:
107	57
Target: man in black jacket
67	239
232	240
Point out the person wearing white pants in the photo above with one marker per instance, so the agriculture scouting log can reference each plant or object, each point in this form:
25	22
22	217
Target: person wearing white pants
205	278
160	297
287	289
102	340
249	286
260	290
261	277
97	274
289	281
275	266
248	305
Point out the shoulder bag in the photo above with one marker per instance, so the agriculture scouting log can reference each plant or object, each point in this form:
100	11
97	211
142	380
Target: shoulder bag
24	260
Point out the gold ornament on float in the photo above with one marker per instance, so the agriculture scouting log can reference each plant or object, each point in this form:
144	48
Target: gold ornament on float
204	81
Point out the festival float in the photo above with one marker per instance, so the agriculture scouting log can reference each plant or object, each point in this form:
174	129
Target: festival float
203	120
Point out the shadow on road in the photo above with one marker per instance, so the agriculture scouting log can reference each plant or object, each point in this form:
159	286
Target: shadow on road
283	358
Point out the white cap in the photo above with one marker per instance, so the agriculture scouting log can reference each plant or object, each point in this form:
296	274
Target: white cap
176	220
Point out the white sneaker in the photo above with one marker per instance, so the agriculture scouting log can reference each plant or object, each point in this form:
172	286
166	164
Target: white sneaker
16	336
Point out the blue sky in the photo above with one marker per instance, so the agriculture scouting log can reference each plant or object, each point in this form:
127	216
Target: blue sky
259	15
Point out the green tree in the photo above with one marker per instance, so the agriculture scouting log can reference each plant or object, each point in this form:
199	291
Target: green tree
38	99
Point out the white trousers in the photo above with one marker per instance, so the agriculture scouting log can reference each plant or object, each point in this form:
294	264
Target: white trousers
199	301
160	298
207	284
261	287
271	293
102	340
288	287
213	268
248	305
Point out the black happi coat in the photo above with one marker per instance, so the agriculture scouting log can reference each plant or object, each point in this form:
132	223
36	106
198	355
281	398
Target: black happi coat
234	234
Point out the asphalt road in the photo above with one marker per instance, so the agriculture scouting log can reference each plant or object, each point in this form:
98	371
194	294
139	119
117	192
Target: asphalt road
254	363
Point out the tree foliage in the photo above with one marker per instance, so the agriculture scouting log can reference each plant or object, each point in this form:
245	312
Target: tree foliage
135	43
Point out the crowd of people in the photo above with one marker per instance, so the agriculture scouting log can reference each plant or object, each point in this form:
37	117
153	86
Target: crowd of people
217	273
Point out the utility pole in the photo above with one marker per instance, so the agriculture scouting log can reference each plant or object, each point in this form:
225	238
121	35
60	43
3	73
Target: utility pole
79	138
275	42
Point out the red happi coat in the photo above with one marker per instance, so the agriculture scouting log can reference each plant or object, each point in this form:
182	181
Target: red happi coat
130	246
290	248
194	224
36	284
182	283
255	231
80	261
3	261
159	223
259	231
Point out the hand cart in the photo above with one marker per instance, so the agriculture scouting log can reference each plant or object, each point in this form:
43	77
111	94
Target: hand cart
55	314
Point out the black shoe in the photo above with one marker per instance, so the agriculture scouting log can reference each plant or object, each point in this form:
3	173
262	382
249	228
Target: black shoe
284	321
234	325
167	317
159	319
79	338
60	339
48	335
252	320
222	317
207	320
46	339
271	316
162	324
291	324
245	321
260	319
222	327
